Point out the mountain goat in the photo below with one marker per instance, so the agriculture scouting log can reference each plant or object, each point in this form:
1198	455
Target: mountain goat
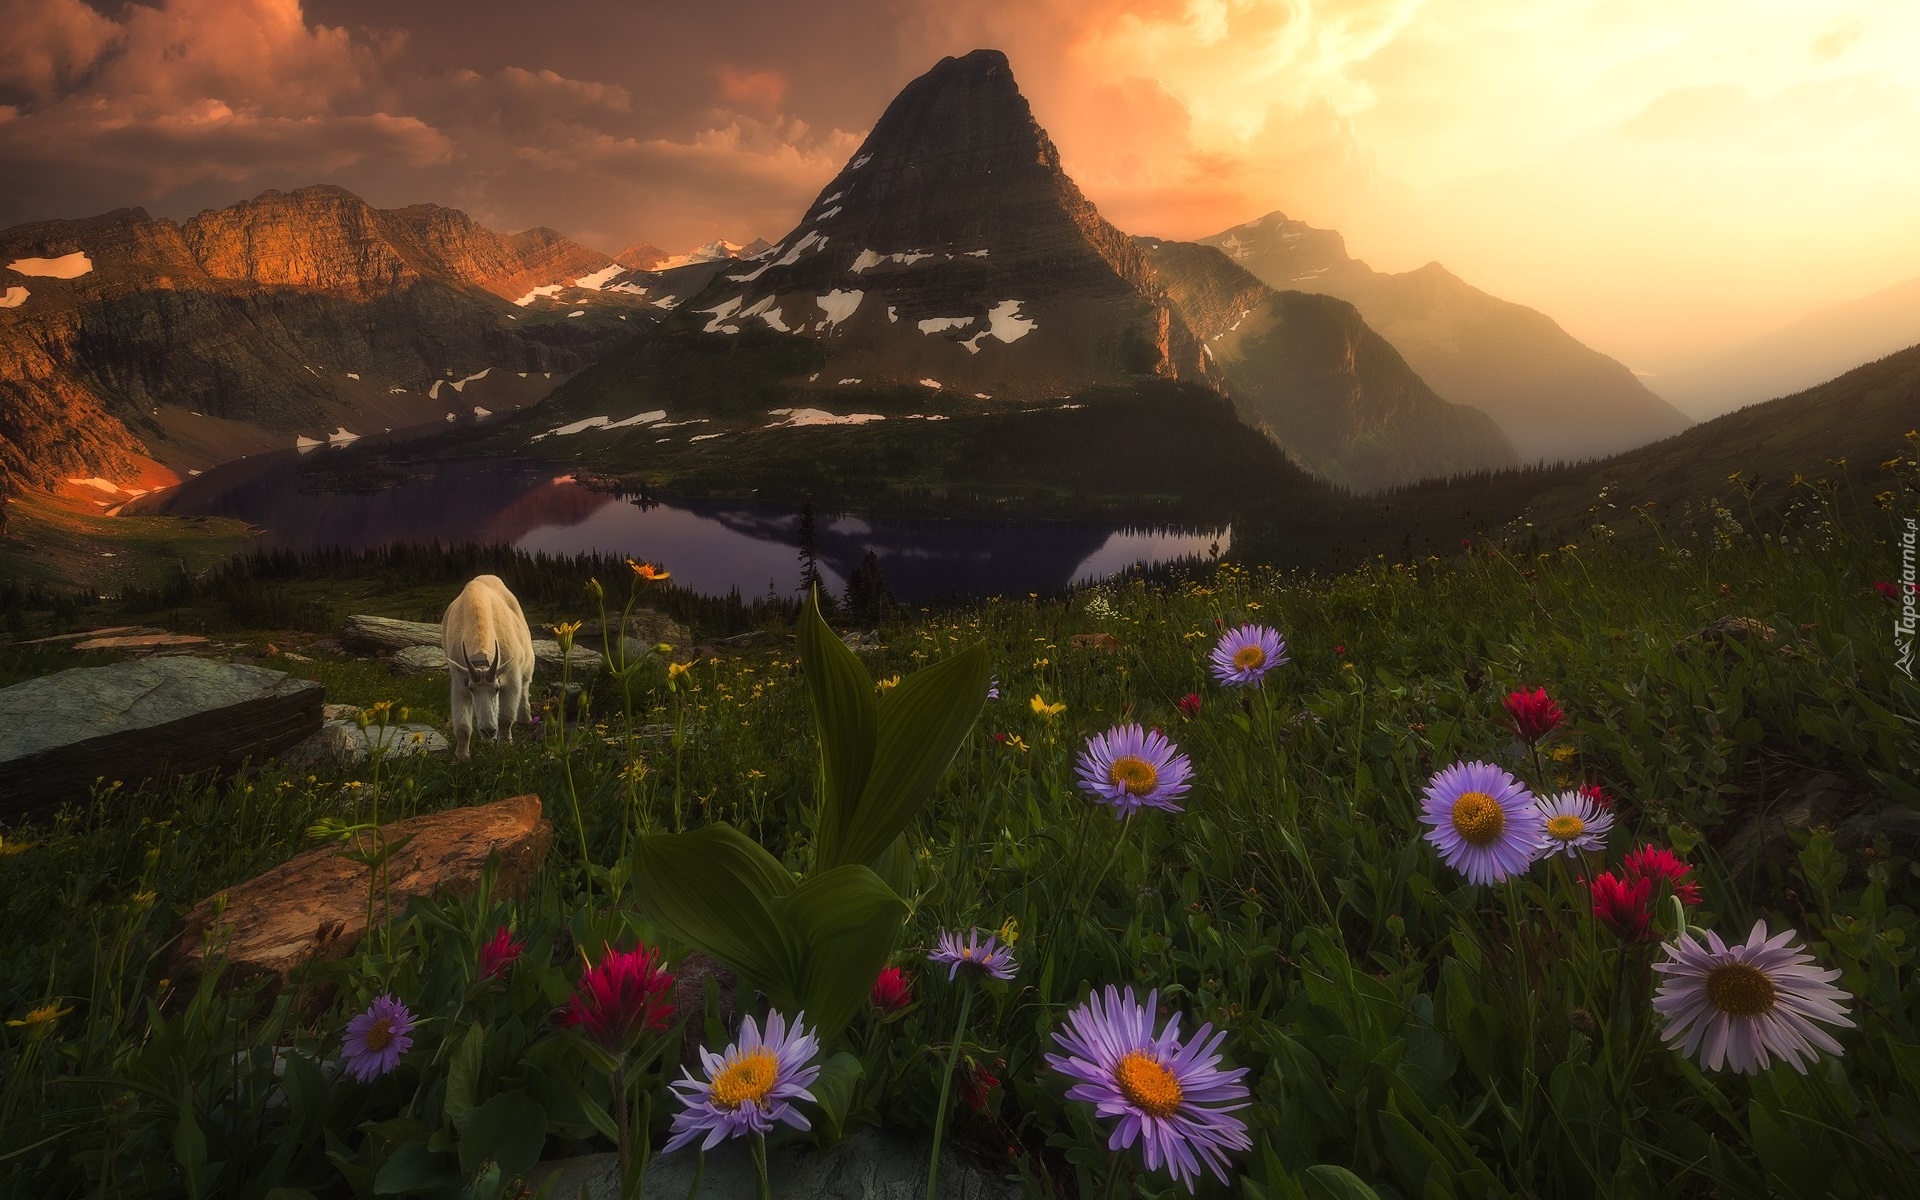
489	660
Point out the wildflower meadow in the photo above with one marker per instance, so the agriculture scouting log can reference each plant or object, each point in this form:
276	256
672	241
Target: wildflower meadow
1490	875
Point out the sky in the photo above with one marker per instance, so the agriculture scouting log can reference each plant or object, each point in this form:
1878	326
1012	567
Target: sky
1664	177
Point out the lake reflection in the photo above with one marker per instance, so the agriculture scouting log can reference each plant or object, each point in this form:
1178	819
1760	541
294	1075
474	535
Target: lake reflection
711	546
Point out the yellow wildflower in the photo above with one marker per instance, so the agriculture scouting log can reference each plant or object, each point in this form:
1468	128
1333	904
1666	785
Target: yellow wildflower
9	849
1017	742
564	632
676	670
1010	930
41	1019
1563	754
649	572
1040	706
887	685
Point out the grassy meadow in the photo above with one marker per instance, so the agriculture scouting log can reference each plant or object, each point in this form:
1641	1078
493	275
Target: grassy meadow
1406	1034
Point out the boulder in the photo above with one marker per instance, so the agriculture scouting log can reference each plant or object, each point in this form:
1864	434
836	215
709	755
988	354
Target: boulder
142	641
1727	629
652	627
431	660
874	1164
313	907
1758	848
140	719
385	633
341	740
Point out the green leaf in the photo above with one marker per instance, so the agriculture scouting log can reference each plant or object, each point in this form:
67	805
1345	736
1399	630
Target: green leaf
414	1168
845	922
190	1145
922	724
834	1090
1328	1182
509	1130
463	1075
716	890
844	715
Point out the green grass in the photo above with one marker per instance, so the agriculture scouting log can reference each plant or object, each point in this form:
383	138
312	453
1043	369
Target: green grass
1433	1038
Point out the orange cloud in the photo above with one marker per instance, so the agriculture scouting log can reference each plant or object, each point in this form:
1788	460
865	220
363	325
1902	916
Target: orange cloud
760	91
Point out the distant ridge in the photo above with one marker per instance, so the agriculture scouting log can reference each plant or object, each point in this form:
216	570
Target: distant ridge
1555	398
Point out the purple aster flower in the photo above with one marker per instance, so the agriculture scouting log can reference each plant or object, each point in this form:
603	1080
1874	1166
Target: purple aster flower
1129	768
1740	1006
1174	1099
993	688
376	1039
1243	656
1484	821
978	957
749	1088
1574	823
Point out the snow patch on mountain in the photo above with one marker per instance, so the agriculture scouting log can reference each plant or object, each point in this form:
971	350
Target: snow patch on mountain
15	297
794	417
1008	325
546	289
940	324
601	278
67	266
839	305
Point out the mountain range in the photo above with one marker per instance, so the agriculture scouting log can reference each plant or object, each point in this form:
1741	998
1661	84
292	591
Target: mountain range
1801	353
951	280
1553	397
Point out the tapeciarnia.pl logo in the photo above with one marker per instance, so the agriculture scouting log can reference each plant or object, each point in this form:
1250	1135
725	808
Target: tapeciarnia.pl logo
1905	623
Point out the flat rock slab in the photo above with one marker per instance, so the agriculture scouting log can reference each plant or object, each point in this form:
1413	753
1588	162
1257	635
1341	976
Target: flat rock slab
871	1165
145	718
341	740
141	641
313	907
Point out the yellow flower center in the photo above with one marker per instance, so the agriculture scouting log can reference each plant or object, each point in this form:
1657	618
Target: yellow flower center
747	1078
1740	990
1247	658
380	1034
1135	775
1564	828
1478	818
1146	1082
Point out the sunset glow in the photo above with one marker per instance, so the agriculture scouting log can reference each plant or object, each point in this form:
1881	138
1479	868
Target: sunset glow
1662	179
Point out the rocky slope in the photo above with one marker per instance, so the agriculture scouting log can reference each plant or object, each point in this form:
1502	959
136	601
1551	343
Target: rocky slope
1309	370
1552	396
308	313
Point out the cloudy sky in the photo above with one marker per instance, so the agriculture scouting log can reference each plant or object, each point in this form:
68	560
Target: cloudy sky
1662	176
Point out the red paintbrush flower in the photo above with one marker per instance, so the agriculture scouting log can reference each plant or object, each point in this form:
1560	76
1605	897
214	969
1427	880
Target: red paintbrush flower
1190	704
623	996
890	994
1887	590
1657	864
1534	714
1624	906
976	1086
1600	799
498	955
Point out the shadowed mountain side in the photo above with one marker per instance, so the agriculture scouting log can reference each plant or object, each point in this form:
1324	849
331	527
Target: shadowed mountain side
1553	397
1859	419
1307	369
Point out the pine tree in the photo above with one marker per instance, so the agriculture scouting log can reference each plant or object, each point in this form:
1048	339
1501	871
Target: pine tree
810	577
868	597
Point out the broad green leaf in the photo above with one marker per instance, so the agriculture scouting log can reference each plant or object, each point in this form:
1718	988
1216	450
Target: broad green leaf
190	1146
844	716
895	866
413	1168
509	1130
846	921
922	724
463	1075
717	890
1328	1182
834	1091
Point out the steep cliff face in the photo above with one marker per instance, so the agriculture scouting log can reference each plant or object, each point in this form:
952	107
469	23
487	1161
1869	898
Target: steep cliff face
293	314
953	248
1311	372
1552	396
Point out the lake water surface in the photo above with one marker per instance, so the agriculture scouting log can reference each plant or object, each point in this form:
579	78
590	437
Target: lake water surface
710	546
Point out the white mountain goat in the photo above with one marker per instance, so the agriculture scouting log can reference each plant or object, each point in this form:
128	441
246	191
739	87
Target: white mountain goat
490	661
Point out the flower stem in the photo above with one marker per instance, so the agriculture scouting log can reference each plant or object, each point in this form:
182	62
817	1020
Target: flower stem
758	1147
619	1086
946	1086
1118	844
699	1169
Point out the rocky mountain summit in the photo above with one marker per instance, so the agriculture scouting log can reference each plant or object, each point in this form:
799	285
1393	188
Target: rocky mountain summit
1553	397
953	250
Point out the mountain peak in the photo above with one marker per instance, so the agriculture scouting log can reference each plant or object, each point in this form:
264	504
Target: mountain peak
955	209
